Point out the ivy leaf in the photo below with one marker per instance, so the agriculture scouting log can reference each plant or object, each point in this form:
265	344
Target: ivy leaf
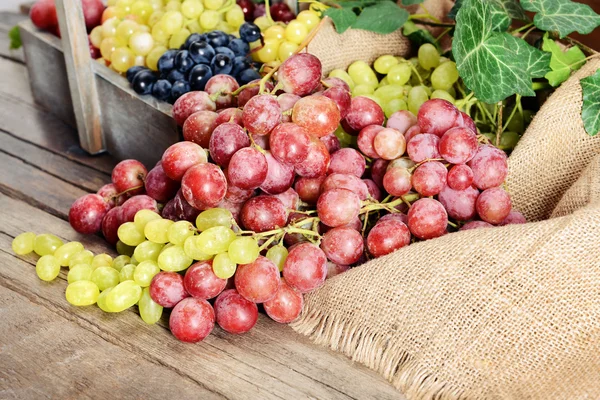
562	62
418	36
493	63
342	18
411	2
512	8
15	38
562	16
590	111
384	17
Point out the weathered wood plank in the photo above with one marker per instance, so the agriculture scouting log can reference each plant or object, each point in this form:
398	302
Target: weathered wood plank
60	167
271	347
40	358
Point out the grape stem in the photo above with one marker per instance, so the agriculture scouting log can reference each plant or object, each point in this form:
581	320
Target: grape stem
499	125
423	22
521	29
514	110
116	196
246	86
268	12
417	165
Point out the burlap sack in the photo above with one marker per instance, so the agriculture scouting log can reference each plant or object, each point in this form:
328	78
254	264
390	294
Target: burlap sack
505	313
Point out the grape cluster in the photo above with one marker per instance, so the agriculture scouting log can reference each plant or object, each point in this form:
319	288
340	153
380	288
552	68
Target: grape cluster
196	66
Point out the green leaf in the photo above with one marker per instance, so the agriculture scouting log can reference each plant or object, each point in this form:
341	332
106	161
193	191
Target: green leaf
384	17
418	36
15	38
590	111
342	18
512	8
493	63
411	2
562	62
562	16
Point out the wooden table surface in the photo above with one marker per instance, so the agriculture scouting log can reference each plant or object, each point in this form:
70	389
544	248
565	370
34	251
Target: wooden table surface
49	349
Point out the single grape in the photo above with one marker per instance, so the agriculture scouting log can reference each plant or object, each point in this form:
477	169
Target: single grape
144	272
423	147
243	250
180	157
23	243
317	114
389	143
130	235
234	313
417	96
159	186
86	213
80	272
335	269
437	116
190	103
300	74
204	185
347	161
317	161
289	143
513	217
338	207
101	260
345	181
458	145
429	178
279	177
412	132
332	143
47	267
309	189
105	277
142	217
387	236
66	251
225	141
123	296
167	289
257	281
250	92
147	250
179	231
263	213
444	76
427	219
374	190
401	121
222	85
233	115
110	193
46	244
378	170
465	121
261	114
460	204
475	225
363	112
135	204
489	166
428	56
460	177
343	245
493	205
383	64
82	293
362	74
277	254
305	268
247	169
126	273
192	249
192	320
286	306
397	181
200	281
173	258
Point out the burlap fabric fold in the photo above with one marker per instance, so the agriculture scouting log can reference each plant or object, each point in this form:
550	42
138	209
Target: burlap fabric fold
504	313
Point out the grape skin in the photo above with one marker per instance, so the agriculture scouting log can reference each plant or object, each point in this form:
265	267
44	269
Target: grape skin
261	114
87	212
200	281
458	145
225	141
460	177
343	245
427	219
365	140
263	213
286	306
129	174
279	177
305	268
387	236
300	74
397	181
167	289
289	143
347	161
493	205
204	186
199	126
234	313
490	167
317	161
319	115
437	116
460	204
363	112
338	207
192	320
345	181
429	178
190	103
257	281
159	186
389	143
248	168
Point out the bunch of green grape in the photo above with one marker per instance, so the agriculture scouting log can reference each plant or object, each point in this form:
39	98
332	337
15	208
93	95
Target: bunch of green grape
397	84
138	32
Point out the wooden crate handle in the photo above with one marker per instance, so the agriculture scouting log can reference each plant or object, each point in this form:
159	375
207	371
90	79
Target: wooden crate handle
82	81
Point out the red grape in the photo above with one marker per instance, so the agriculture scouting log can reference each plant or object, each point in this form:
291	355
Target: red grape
109	193
363	112
237	195
465	121
347	161
226	139
460	177
460	204
374	190
305	267
199	126
179	208
331	142
248	168
436	116
279	178
513	217
378	170
423	147
286	306
261	114
489	166
427	219
87	212
190	103
192	320
234	208
135	204
319	115
475	225
204	186
429	178
336	82
110	224
365	140
167	289
251	91
389	143
341	97
257	281
178	158
309	189
493	205
346	181
289	198
286	102
343	245
233	115
338	207
289	143
247	8
222	85
397	181
201	282
300	74
387	236
159	186
458	145
129	174
401	121
402	162
399	216
263	213
43	14
234	313
335	269
317	161
412	132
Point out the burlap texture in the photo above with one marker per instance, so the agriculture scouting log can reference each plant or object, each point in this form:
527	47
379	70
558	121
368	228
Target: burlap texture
504	313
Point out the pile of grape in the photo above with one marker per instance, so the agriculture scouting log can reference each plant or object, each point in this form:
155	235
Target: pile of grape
193	66
138	32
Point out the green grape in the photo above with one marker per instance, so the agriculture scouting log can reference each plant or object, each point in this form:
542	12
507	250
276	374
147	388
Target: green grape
508	140
82	293
343	75
444	76
427	90
442	94
96	36
286	49
428	56
83	257
171	22
243	250
192	250
443	59
361	73
222	266
47	267
150	311
209	20
213	4
516	123
155	18
452	92
375	99
346	140
122	248
80	272
101	260
157	230
134	261
160	37
390	92
416	97
180	231
268	52
23	243
109	27
263	23
361	90
295	32
105	277
126	273
125	29
147	251
123	296
142	217
278	254
174	258
130	235
141	43
144	272
214	217
120	261
101	301
394	105
122	59
142	10
46	244
235	17
193	26
384	81
179	38
399	74
384	63
215	240
309	18
419	75
413	60
192	8
224	26
173	5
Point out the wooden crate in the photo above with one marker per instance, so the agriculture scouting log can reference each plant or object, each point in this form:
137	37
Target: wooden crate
132	126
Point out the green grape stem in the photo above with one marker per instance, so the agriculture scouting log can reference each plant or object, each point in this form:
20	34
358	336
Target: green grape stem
246	86
512	114
268	12
500	107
